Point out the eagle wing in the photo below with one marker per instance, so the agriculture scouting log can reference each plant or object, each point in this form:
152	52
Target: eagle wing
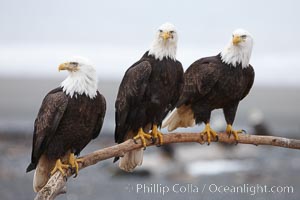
131	92
46	123
177	91
199	79
250	76
101	109
180	85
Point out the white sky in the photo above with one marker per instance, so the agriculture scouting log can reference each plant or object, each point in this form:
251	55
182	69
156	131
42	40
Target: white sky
35	36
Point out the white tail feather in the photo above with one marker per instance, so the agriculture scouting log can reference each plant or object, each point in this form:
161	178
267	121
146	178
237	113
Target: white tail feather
43	169
134	158
131	160
180	117
42	173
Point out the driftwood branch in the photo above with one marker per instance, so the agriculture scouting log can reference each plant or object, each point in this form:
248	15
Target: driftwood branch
57	183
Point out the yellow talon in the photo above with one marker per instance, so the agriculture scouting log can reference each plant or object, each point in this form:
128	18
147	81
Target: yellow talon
210	133
157	134
142	135
74	163
230	131
59	166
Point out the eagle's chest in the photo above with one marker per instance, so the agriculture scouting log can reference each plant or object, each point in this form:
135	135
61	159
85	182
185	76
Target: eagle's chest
80	108
162	81
233	83
78	118
164	73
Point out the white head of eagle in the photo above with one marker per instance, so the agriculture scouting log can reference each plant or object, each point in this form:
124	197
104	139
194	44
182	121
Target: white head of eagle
82	77
164	44
239	49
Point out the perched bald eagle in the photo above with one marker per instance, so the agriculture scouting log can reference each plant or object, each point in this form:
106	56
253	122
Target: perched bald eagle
220	81
149	90
69	118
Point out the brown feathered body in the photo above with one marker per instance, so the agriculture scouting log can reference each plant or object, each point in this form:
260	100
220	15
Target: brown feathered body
149	90
211	84
64	125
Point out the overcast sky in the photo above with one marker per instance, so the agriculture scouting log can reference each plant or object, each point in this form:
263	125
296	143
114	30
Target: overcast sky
37	35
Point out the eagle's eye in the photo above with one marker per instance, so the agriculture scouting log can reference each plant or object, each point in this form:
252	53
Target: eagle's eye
74	63
243	36
172	32
160	30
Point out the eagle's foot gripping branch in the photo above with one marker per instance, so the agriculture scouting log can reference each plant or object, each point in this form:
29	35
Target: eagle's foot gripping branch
156	134
230	131
73	161
210	133
59	166
143	136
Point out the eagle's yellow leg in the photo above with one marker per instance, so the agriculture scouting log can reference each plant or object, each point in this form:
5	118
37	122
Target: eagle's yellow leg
143	136
59	166
74	163
157	134
209	132
230	131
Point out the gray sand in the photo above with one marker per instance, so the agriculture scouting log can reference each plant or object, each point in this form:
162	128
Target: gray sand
21	99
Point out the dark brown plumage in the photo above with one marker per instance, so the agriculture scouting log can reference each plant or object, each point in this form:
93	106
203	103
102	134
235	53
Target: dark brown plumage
65	124
149	90
69	118
211	84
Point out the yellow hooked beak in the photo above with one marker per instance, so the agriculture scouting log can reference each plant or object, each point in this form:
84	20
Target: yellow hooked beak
64	66
68	66
236	40
166	35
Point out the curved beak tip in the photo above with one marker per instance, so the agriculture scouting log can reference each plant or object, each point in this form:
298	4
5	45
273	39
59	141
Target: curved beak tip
62	67
166	36
236	40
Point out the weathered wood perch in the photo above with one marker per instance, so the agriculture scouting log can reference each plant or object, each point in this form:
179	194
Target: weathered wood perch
57	183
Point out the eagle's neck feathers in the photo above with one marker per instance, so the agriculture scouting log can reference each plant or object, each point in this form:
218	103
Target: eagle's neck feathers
236	55
79	83
160	50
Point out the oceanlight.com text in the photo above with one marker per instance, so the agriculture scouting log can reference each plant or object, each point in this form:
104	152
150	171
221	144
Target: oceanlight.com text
189	188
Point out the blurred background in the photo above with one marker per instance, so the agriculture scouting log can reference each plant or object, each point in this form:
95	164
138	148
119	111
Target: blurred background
36	36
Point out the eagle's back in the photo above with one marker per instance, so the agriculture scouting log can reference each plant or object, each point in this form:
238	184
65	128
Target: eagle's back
65	123
213	84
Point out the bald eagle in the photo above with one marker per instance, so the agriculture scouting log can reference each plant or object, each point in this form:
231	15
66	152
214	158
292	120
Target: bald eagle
69	118
149	90
220	81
